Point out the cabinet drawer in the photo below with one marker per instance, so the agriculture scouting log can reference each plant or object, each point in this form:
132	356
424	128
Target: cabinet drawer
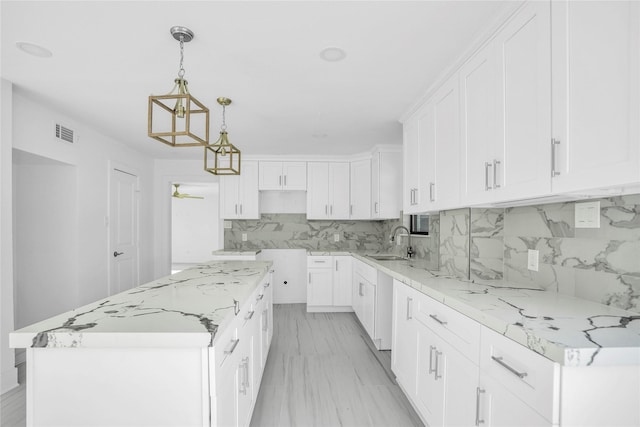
319	261
455	328
529	376
367	272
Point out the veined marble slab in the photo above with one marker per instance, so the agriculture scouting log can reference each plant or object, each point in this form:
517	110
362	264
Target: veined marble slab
565	329
236	253
186	309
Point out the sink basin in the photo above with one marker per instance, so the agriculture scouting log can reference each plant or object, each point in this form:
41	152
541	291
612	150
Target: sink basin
386	257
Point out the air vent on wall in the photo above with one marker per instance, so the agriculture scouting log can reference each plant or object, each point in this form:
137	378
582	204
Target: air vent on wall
65	134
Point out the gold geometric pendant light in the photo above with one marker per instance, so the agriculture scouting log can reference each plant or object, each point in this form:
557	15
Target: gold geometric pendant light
222	157
178	119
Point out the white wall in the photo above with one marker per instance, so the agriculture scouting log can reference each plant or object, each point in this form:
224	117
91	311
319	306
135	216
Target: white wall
195	224
45	238
91	155
8	373
167	172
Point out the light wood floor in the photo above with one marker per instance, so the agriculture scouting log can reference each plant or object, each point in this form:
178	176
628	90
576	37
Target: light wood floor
322	370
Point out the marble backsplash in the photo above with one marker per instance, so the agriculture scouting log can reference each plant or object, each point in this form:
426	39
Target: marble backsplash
454	242
294	231
601	264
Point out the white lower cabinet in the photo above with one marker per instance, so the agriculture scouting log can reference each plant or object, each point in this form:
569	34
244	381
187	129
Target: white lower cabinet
404	341
372	302
329	283
238	358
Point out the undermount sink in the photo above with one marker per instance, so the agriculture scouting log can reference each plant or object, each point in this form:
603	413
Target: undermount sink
386	257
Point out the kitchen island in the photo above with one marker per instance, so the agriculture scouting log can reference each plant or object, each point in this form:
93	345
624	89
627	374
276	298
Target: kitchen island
184	350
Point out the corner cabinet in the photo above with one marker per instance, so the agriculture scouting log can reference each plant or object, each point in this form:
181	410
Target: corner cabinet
596	97
327	190
239	194
285	176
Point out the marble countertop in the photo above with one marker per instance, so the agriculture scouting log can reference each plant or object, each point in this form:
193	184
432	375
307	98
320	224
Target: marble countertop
235	253
565	329
186	309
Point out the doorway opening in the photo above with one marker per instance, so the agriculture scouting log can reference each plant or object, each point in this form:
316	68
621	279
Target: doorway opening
195	223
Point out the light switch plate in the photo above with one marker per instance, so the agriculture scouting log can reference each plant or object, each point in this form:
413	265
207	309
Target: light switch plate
244	237
587	215
336	237
532	260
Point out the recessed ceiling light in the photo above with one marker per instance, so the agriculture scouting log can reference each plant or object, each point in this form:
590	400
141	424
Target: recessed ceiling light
319	135
34	49
333	54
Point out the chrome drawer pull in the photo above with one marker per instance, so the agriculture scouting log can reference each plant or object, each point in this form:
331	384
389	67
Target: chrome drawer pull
509	368
431	370
260	297
266	285
434	317
409	307
232	346
435	371
249	315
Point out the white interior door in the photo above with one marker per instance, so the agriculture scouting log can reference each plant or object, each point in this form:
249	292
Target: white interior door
123	239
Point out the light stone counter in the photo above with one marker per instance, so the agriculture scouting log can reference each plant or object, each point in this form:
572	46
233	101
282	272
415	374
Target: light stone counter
565	329
186	309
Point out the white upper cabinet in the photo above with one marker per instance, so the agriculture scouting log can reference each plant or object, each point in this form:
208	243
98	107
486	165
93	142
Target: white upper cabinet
328	190
283	176
239	193
444	185
506	112
596	100
361	182
386	179
419	163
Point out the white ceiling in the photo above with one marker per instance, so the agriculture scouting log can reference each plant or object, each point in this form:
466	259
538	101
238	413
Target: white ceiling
109	56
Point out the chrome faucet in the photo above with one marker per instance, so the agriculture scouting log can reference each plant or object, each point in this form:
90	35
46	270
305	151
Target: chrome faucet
392	237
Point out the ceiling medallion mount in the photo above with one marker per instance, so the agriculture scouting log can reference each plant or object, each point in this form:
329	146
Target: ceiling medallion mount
182	34
224	101
178	119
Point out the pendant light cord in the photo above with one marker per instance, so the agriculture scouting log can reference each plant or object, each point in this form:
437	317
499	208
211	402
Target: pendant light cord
181	70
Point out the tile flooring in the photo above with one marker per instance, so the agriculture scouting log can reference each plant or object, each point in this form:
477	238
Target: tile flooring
322	370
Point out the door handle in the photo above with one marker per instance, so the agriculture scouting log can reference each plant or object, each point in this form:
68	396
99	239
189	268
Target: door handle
479	391
431	349
280	181
115	254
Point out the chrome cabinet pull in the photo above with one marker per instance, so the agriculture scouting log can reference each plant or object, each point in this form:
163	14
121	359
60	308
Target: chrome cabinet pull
509	368
554	145
249	315
236	209
240	208
495	173
285	180
434	317
266	285
280	181
360	290
375	207
244	384
437	376
432	186
309	277
479	391
265	323
336	265
231	346
431	349
260	297
409	306
350	209
331	210
326	209
487	165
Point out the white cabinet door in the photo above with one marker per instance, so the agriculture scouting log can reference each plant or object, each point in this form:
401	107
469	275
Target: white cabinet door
426	158
411	164
317	190
521	162
294	176
404	341
361	189
239	194
478	124
245	382
342	278
385	181
320	287
227	395
249	194
339	196
429	389
498	407
596	96
368	308
444	185
270	175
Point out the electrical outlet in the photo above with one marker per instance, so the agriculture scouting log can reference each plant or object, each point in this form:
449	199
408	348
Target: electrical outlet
532	260
227	225
336	237
244	237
